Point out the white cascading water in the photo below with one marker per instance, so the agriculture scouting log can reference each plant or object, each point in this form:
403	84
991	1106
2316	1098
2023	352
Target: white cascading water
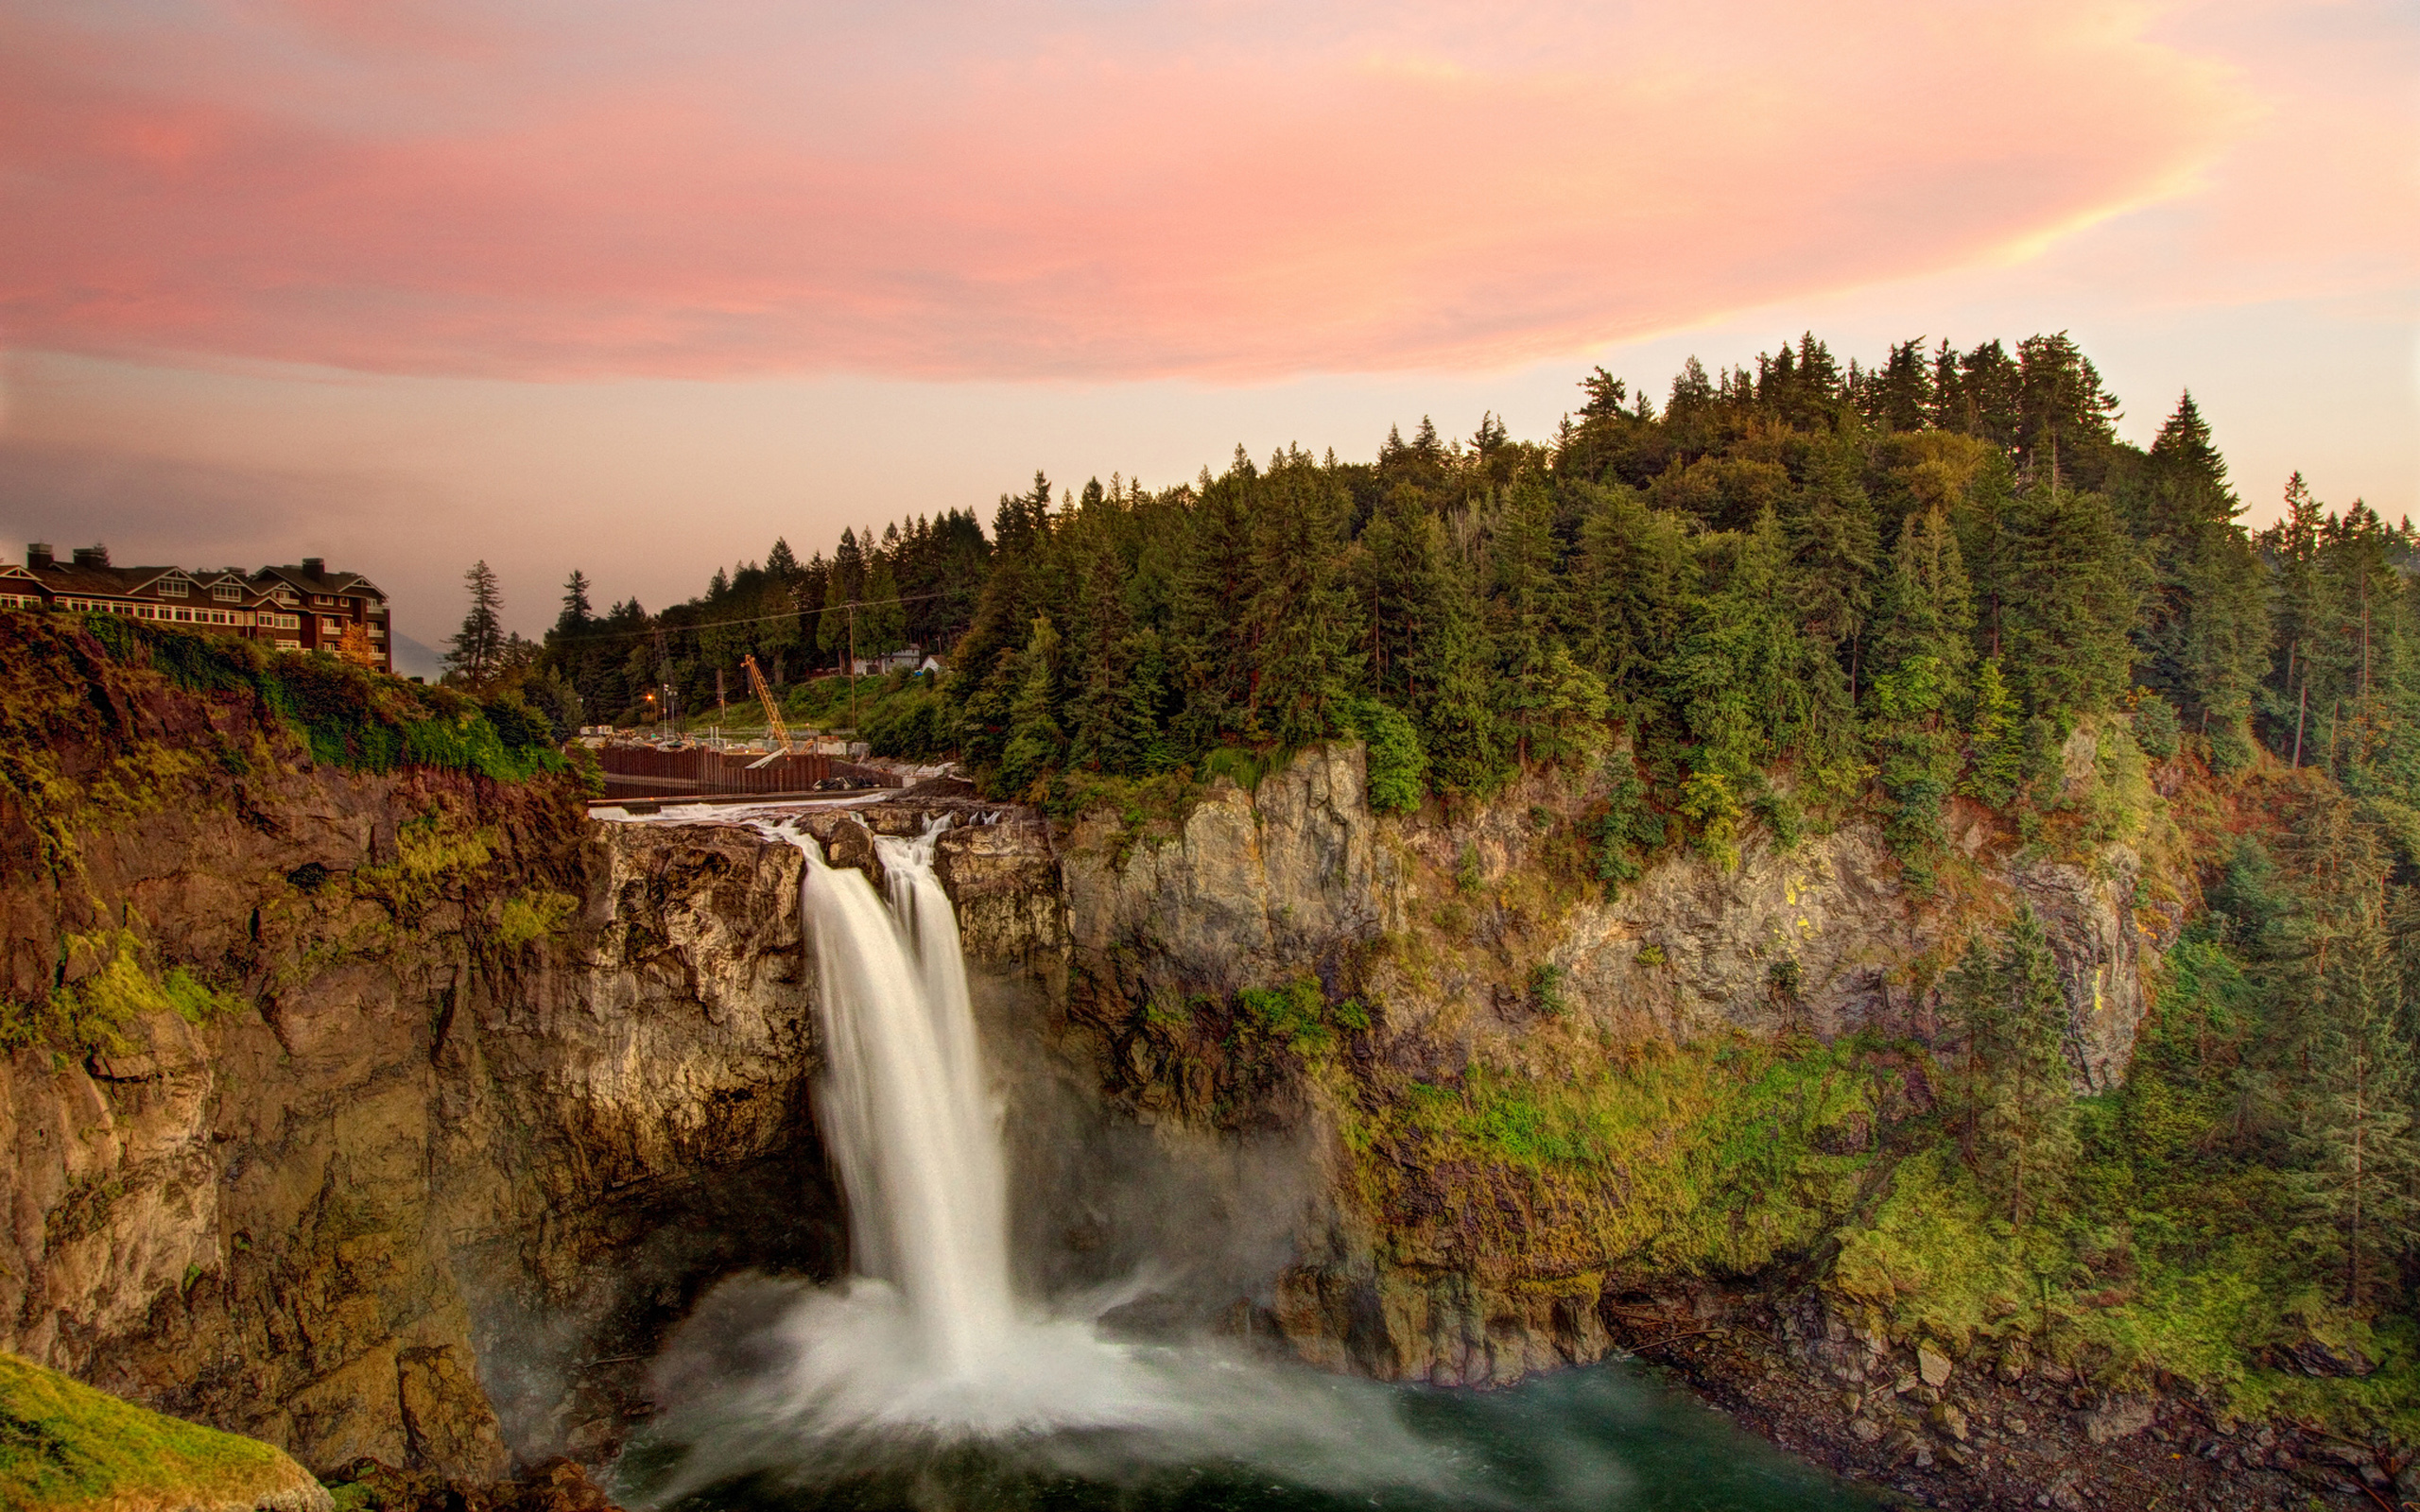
905	1109
928	1341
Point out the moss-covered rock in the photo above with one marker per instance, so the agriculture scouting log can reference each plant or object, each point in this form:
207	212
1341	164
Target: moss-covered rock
65	1447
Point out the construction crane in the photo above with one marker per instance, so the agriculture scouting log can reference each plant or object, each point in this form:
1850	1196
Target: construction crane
774	729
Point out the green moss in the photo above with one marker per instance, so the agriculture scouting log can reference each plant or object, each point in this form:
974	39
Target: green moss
91	1013
433	852
64	1445
1297	1016
1706	1158
532	915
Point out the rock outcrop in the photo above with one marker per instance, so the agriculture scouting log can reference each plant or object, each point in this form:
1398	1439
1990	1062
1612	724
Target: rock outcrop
407	1098
1481	935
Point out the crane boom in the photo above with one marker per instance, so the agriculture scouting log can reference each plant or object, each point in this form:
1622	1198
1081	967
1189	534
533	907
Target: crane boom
773	726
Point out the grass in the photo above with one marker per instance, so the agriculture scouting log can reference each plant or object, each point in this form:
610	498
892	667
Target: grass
67	1448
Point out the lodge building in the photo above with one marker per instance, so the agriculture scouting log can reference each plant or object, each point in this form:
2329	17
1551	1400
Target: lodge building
300	608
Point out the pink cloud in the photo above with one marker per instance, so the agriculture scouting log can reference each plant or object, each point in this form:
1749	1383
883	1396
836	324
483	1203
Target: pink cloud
959	189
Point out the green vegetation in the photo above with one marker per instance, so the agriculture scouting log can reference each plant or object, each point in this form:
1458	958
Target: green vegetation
533	915
113	987
64	1446
1710	1160
343	714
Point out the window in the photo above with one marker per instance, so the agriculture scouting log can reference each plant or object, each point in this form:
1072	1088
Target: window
173	587
230	591
283	594
321	599
330	625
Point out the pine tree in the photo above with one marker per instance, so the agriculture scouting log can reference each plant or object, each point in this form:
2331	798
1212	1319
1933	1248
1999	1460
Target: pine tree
1523	608
1214	641
2016	1096
1035	745
844	586
471	655
1101	666
1632	583
882	625
2359	1150
1923	642
2068	636
577	614
1833	546
1994	753
1458	724
1402	553
1306	663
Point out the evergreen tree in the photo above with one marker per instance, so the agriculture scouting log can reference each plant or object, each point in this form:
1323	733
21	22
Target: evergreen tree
1994	752
1035	745
1304	663
2016	1096
577	614
2360	1154
1924	642
1458	724
1632	583
1523	609
473	653
2068	635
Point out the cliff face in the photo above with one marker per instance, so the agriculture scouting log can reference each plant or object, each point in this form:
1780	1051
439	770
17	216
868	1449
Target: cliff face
1484	966
375	1109
398	1115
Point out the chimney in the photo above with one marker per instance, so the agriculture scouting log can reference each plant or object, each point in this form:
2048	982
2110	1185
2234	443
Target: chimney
93	555
315	566
38	554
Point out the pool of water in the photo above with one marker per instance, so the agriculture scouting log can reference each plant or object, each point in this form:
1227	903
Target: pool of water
1612	1435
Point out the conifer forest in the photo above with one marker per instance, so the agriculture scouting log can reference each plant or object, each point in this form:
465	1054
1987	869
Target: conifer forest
1778	599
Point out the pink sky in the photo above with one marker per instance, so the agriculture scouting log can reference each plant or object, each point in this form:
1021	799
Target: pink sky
637	286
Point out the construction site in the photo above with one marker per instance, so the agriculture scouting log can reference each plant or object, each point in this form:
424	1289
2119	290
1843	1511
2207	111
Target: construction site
703	765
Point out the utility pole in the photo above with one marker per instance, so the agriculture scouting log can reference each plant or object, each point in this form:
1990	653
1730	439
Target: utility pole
853	673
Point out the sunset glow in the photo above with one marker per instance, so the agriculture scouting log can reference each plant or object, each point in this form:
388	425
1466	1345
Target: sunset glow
1227	196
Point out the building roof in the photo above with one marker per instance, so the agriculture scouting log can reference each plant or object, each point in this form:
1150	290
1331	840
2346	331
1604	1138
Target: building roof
85	578
312	576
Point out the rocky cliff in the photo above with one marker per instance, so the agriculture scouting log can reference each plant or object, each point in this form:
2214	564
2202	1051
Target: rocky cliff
376	1114
398	1113
1469	996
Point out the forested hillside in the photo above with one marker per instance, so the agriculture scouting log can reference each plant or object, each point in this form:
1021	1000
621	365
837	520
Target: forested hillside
1789	584
1794	596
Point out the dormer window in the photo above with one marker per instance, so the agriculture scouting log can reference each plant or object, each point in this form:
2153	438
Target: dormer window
283	596
172	588
228	591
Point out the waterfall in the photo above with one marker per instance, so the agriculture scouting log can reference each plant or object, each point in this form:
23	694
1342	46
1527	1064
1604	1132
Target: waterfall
905	1109
927	1342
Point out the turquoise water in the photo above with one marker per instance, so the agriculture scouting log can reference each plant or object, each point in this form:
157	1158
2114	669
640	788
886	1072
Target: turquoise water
1610	1437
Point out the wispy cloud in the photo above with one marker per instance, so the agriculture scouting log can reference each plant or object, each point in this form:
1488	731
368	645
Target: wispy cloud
1226	189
